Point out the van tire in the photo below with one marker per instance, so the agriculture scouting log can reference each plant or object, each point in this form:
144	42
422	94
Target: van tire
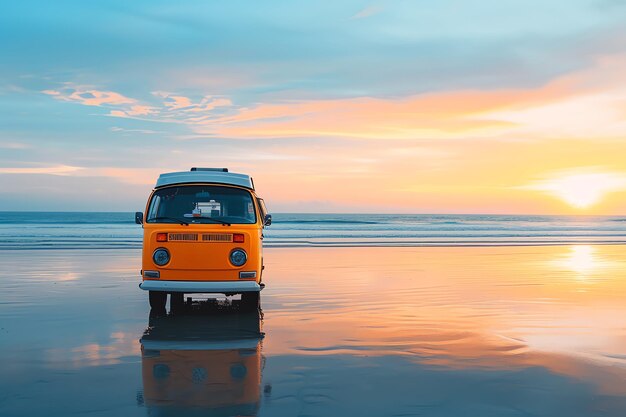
250	301
157	299
177	302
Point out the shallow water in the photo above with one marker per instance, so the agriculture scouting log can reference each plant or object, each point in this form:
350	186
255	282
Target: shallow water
445	331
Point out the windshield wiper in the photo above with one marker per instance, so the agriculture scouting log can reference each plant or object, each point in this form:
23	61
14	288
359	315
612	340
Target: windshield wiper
216	220
181	222
193	220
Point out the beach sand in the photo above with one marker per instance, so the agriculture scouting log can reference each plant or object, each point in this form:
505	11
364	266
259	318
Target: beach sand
443	331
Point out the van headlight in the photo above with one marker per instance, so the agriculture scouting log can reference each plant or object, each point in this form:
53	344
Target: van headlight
161	256
238	257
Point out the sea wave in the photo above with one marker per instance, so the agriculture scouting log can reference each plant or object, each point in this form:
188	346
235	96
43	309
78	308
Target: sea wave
31	230
327	221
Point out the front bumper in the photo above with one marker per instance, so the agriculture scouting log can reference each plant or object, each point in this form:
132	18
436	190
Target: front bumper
201	286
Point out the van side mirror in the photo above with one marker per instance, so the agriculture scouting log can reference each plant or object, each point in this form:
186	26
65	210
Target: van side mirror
267	220
138	217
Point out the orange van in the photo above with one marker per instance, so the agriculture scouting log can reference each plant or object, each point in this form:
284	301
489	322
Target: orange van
203	233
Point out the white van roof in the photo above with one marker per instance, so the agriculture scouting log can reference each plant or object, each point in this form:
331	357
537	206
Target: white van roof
208	175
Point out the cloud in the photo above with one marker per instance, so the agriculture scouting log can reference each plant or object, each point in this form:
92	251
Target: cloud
170	107
141	110
595	96
14	145
137	176
49	170
172	101
591	105
367	12
89	97
357	118
438	115
135	111
144	131
181	104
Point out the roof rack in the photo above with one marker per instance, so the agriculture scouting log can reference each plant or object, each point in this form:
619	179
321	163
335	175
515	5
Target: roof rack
210	169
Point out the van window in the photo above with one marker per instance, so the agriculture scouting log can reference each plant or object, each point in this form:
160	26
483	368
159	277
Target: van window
201	204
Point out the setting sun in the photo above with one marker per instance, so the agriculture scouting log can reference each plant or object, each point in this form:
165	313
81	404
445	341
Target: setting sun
582	190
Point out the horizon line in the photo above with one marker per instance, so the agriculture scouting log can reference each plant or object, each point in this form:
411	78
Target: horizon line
352	213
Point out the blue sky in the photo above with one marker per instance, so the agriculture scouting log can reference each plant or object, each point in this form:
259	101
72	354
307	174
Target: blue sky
97	98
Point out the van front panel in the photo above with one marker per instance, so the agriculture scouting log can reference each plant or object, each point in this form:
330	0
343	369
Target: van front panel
204	254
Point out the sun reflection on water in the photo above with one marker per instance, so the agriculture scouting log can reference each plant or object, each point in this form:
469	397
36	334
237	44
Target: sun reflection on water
582	259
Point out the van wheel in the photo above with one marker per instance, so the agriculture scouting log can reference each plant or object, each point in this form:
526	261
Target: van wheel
250	300
177	302
157	299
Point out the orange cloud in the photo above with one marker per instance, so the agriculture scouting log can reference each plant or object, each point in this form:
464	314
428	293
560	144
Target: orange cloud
138	176
90	97
430	115
594	96
184	104
177	102
133	111
541	111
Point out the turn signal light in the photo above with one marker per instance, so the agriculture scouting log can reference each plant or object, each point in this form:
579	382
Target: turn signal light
161	237
238	238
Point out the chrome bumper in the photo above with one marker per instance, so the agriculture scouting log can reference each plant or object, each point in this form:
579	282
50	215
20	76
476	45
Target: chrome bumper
251	343
201	286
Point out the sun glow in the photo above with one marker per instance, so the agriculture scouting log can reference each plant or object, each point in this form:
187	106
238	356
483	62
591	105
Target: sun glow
582	190
584	261
581	259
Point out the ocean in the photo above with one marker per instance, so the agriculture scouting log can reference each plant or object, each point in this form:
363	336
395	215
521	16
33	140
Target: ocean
73	230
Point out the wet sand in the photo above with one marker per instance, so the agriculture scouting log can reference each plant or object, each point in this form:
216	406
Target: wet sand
445	331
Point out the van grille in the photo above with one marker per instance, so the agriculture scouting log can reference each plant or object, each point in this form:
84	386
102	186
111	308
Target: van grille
183	237
217	237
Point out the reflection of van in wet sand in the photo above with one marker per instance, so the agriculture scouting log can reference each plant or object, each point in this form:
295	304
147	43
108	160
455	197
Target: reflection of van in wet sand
203	232
199	365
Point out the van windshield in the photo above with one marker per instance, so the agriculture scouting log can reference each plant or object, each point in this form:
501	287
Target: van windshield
201	204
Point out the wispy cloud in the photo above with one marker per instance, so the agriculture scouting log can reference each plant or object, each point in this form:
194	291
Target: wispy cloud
368	11
49	170
174	102
166	107
119	104
594	94
14	145
89	97
144	131
185	109
135	111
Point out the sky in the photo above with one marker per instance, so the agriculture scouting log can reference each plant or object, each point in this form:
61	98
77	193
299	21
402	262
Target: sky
420	106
